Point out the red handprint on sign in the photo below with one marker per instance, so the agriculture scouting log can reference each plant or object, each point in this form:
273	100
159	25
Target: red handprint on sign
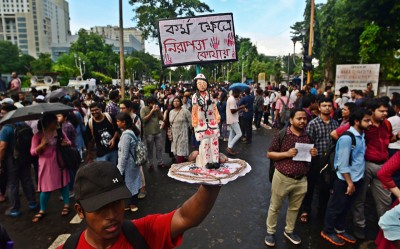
230	41
167	59
214	42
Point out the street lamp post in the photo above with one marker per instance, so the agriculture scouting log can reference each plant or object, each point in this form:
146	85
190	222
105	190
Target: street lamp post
303	33
79	63
243	57
117	71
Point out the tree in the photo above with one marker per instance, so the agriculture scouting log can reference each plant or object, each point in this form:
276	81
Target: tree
148	12
99	56
8	57
42	64
24	63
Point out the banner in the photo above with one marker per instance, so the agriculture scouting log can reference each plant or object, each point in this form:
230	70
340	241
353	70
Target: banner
356	77
193	40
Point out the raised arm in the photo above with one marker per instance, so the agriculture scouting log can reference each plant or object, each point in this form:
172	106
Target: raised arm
194	210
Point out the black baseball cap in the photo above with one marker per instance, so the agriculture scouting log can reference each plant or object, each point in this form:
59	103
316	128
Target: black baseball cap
98	184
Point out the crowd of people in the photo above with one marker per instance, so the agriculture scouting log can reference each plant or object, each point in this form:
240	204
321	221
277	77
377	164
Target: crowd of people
107	129
364	132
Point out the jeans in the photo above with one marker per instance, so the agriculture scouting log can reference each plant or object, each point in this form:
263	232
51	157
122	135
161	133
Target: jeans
257	118
313	177
109	157
285	187
266	115
234	135
19	173
151	141
248	129
381	196
339	205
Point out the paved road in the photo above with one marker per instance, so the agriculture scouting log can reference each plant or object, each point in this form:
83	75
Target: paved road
237	220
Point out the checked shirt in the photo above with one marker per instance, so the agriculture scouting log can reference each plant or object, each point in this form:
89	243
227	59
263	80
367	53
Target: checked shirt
320	132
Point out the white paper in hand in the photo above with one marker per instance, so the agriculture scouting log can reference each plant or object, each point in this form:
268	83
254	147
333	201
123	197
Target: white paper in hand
303	152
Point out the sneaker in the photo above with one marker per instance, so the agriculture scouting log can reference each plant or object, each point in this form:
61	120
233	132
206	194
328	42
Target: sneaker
32	206
142	195
294	238
270	240
333	239
359	232
346	236
12	213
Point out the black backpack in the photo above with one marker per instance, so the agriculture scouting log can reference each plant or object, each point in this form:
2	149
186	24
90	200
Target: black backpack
129	230
328	170
22	143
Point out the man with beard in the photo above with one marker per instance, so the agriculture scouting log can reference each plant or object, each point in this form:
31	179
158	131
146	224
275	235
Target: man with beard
350	165
289	178
377	139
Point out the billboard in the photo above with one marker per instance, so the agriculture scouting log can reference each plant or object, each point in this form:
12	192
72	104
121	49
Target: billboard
356	76
193	40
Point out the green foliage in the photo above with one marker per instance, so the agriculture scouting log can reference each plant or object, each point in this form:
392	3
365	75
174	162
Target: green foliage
42	64
350	32
104	78
8	57
147	89
368	41
97	55
24	63
147	12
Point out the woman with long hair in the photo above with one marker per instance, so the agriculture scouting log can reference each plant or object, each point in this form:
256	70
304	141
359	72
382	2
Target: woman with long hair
50	177
126	157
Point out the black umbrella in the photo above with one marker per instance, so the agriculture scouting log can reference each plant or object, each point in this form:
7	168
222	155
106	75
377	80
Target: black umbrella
34	112
59	93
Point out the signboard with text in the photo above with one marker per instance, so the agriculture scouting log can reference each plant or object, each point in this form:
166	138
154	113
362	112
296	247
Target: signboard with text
356	76
193	40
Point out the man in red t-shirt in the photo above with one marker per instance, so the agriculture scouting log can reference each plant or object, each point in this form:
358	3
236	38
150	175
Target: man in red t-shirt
100	192
377	139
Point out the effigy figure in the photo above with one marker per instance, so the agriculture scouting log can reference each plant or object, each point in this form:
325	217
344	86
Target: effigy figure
205	120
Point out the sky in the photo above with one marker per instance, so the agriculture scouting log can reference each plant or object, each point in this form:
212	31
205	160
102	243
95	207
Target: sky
266	22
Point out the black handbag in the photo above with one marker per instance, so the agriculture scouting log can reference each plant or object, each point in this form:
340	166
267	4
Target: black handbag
68	157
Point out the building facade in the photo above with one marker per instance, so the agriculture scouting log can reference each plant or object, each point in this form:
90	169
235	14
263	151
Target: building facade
34	25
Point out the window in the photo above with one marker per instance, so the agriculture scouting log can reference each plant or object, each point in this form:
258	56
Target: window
22	30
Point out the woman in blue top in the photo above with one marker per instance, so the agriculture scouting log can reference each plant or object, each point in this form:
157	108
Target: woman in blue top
126	157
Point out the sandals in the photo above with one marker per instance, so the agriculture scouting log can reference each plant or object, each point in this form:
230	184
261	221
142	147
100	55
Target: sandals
65	211
38	217
304	218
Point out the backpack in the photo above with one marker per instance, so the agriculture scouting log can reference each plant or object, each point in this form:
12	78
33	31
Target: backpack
271	171
140	152
281	135
285	113
129	229
90	122
328	170
68	157
22	143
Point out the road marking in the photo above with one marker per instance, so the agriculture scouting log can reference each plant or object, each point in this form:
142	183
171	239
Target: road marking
59	241
76	220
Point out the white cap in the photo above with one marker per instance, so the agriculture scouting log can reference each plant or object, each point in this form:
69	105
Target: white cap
7	101
40	97
200	76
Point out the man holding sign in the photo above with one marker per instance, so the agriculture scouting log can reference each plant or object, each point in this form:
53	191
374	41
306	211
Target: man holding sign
290	176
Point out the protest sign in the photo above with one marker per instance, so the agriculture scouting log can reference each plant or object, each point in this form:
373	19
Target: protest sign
356	76
193	40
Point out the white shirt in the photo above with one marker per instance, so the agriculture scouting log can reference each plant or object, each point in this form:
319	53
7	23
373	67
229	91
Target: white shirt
293	96
395	122
231	117
266	101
